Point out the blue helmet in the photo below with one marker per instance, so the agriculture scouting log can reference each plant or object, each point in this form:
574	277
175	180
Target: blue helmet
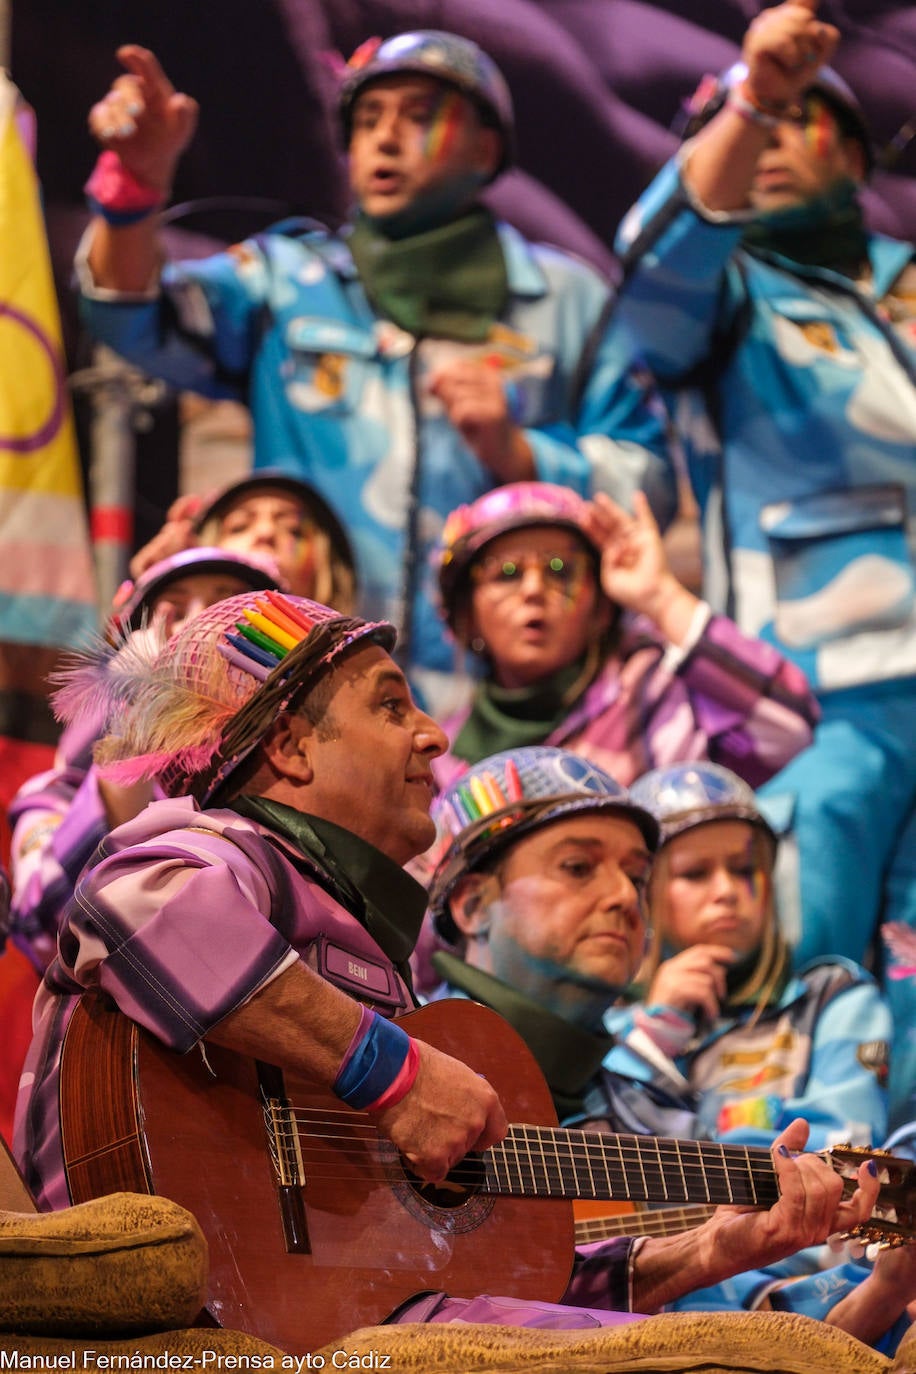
509	795
449	58
691	794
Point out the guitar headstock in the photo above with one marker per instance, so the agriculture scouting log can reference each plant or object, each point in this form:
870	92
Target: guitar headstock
893	1222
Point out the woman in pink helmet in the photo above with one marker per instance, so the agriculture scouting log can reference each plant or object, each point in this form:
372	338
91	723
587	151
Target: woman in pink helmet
589	642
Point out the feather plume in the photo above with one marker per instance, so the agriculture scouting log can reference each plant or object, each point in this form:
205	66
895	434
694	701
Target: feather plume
145	767
169	716
100	680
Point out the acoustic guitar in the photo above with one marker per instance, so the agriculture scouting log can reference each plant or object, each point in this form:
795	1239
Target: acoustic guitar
315	1225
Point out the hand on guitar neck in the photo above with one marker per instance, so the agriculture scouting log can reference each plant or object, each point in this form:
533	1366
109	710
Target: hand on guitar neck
810	1208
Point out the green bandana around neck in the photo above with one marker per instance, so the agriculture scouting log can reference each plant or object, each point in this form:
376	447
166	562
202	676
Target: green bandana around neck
447	282
827	231
378	892
511	717
568	1056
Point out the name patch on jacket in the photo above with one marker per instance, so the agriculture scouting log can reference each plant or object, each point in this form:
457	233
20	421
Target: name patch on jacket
371	980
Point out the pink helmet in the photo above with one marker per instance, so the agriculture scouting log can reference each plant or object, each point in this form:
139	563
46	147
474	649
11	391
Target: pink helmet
470	528
134	600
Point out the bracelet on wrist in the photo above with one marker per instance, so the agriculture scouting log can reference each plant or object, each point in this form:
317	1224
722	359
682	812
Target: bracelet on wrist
402	1085
751	113
379	1067
121	198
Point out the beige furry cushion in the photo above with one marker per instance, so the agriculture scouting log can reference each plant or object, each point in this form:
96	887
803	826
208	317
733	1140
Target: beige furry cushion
119	1264
705	1342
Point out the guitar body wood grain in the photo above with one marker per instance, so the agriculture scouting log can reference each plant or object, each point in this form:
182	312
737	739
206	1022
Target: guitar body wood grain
136	1116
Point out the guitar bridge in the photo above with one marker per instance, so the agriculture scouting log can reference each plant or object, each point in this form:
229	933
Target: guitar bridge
286	1157
283	1141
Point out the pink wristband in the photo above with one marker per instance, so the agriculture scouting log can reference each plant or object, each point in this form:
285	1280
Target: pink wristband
117	195
401	1085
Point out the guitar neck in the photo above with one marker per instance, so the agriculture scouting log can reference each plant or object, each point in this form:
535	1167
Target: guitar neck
543	1161
664	1221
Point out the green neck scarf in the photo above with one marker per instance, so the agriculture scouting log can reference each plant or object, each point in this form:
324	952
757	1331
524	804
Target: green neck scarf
568	1056
825	232
449	282
511	717
376	890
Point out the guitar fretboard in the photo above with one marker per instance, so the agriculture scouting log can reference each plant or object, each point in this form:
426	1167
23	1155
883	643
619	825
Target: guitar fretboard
664	1221
540	1161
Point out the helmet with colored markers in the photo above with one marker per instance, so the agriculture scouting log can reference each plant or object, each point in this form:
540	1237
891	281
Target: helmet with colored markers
446	56
190	709
507	796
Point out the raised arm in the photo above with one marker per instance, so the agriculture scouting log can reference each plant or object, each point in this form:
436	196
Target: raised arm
145	124
783	49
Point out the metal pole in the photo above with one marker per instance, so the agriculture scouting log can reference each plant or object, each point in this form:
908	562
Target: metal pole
6	24
121	397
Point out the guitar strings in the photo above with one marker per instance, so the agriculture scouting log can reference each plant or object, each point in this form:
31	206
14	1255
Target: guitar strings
556	1172
547	1161
576	1149
663	1222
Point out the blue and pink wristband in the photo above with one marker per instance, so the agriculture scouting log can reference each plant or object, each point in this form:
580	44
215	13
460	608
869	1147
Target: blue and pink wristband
380	1065
117	195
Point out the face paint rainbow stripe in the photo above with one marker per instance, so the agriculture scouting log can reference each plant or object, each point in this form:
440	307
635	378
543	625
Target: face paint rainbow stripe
819	125
447	120
579	586
758	884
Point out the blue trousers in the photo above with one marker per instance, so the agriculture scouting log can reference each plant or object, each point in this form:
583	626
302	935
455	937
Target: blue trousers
846	808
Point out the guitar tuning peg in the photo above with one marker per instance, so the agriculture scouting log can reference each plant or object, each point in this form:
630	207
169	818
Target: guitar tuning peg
849	1242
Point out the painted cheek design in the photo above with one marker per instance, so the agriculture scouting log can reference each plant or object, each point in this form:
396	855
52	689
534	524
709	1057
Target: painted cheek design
445	126
758	885
302	560
577	586
819	126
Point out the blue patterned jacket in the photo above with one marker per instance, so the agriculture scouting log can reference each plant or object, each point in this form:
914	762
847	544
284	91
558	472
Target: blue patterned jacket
340	397
807	474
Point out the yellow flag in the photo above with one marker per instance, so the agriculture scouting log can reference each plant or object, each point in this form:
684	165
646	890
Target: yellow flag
47	589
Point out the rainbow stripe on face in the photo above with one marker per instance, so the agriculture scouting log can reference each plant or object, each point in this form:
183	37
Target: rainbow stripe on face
820	126
580	586
447	120
758	884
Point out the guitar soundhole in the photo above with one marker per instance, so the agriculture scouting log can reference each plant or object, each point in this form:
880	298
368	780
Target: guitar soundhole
454	1205
455	1190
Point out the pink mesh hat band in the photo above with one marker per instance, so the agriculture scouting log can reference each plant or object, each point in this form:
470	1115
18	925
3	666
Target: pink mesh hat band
217	686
